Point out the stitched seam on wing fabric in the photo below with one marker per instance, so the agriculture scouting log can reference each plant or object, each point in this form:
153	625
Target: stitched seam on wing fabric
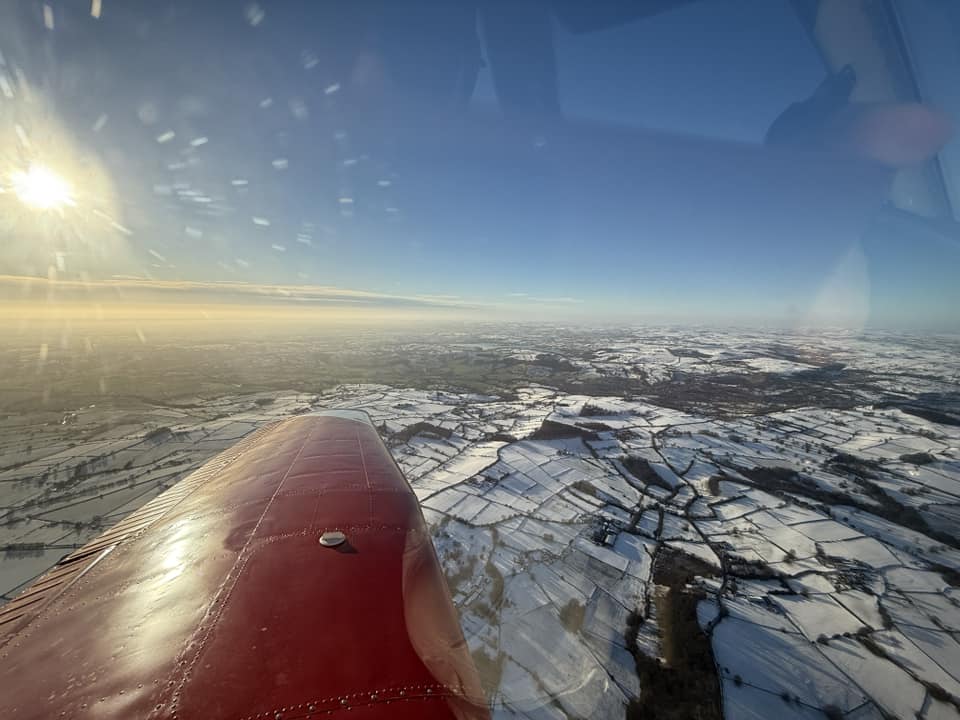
221	598
335	704
353	530
366	477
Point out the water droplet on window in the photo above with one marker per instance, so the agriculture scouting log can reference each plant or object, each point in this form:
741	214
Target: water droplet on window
254	14
299	109
147	113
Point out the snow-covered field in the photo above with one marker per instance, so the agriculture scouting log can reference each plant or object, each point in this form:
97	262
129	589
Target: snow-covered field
818	541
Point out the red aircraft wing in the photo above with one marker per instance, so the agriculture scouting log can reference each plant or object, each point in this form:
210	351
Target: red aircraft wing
218	599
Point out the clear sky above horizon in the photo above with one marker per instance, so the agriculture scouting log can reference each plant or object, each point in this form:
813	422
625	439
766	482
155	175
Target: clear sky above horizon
247	142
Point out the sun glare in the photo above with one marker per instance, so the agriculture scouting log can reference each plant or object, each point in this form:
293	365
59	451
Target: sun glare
41	188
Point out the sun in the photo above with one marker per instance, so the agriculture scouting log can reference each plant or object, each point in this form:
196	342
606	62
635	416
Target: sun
41	188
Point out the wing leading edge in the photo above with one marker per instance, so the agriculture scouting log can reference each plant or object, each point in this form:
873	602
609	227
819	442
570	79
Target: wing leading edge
218	600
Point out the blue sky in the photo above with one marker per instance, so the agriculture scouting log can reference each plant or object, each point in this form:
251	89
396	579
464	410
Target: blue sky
228	157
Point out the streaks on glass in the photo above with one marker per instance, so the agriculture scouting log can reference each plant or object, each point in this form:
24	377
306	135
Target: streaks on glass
148	113
298	108
21	135
309	60
112	222
194	157
254	14
305	236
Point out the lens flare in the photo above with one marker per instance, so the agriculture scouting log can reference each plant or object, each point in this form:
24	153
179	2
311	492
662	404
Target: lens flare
41	188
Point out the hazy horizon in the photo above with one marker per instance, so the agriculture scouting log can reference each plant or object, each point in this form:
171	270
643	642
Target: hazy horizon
145	302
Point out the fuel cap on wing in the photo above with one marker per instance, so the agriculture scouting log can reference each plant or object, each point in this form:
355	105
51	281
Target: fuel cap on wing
332	538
